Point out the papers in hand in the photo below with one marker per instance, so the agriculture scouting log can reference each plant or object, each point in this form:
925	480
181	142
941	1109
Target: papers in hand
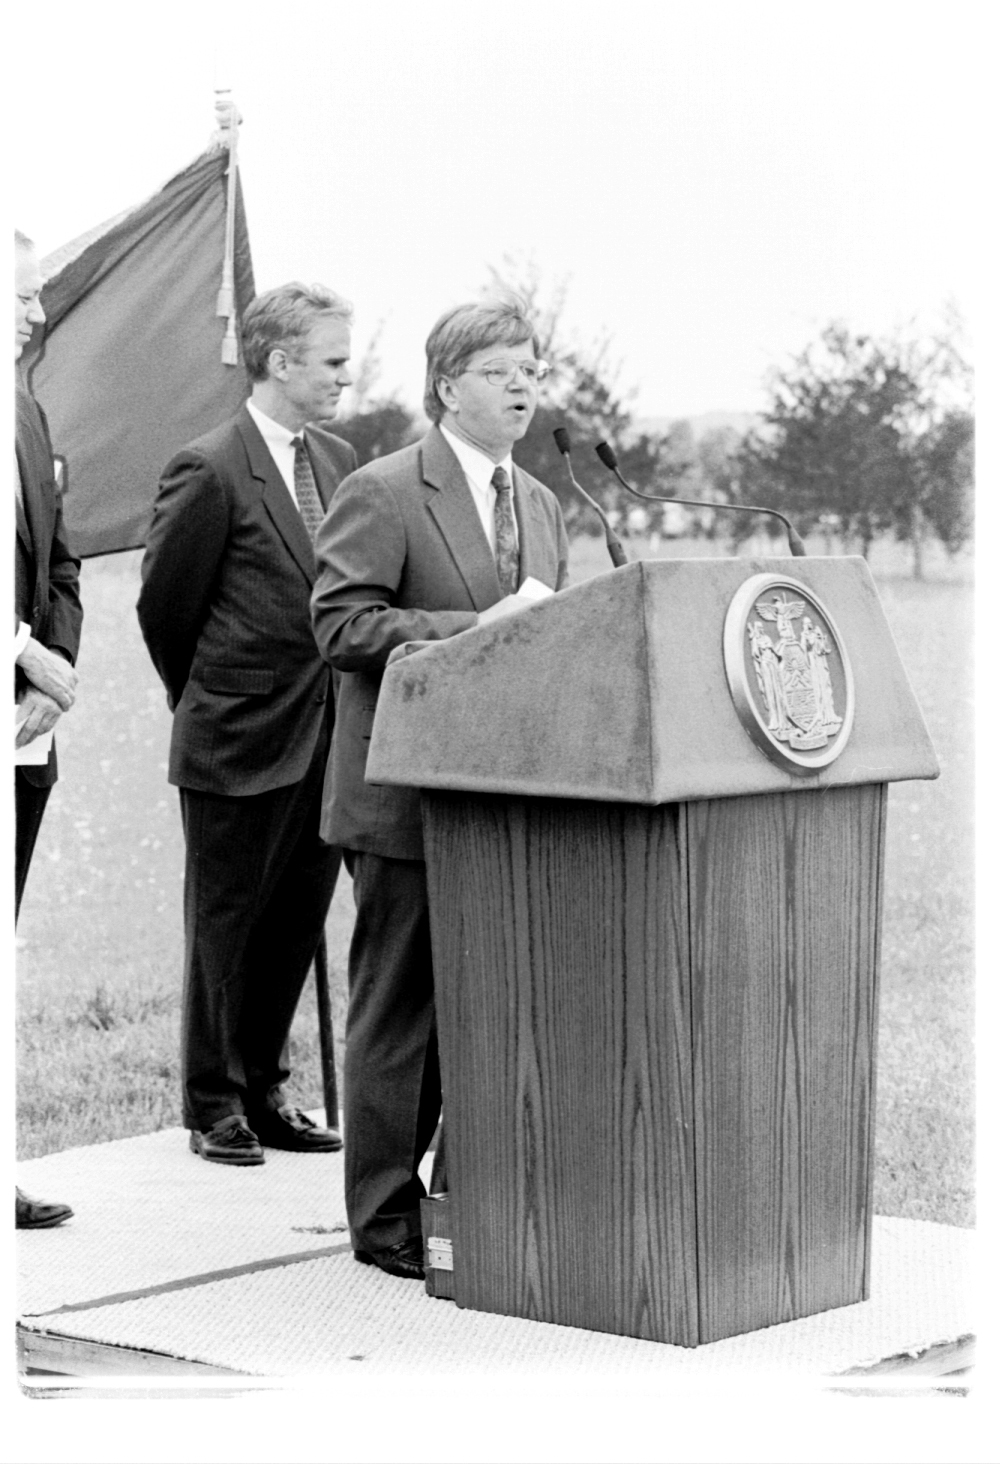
533	589
36	753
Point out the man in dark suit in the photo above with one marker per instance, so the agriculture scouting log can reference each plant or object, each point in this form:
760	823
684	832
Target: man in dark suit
420	545
47	619
224	609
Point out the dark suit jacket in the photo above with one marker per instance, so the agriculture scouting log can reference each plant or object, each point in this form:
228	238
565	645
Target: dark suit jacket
46	576
224	609
403	556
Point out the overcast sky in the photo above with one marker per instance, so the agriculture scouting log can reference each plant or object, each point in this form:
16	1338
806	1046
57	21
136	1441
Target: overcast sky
715	181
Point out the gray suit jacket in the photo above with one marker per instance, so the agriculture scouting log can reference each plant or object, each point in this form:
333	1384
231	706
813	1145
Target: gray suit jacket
224	610
46	575
402	556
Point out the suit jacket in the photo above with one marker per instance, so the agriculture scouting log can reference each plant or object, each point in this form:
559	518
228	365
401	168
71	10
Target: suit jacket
224	609
402	556
46	575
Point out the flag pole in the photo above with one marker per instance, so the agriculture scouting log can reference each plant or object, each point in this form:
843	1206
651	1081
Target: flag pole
327	1057
228	119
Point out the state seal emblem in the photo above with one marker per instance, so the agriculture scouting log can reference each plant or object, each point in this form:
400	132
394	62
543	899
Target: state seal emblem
788	671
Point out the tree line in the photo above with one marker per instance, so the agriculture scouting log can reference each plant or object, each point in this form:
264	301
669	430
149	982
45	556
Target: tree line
859	437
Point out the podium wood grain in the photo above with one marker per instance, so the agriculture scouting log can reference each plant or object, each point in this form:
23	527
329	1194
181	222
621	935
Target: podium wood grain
561	962
784	918
657	1033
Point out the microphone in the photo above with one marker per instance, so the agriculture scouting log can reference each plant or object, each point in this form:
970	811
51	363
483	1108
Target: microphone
618	556
606	453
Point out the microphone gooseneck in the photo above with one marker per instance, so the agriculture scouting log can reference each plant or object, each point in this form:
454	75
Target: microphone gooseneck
607	455
618	556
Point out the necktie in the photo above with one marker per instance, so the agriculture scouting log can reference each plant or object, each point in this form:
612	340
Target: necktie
306	492
508	566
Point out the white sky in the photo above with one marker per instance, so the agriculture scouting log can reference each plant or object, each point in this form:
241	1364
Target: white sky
716	180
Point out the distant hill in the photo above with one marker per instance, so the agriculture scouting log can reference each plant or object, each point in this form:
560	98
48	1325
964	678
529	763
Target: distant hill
704	422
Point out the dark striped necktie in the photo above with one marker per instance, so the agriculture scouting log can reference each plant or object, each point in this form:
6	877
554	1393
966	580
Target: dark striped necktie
306	492
508	560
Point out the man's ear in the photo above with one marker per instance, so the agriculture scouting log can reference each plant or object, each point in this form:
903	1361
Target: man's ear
277	364
446	393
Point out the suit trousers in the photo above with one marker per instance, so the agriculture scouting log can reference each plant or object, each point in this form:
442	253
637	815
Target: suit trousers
392	1083
258	881
29	805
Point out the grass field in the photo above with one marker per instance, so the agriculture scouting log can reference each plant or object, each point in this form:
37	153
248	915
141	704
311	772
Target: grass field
100	939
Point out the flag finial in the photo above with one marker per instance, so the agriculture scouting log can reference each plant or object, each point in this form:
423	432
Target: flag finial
227	119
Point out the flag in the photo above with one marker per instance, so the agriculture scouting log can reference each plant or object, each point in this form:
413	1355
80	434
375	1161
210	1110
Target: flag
130	366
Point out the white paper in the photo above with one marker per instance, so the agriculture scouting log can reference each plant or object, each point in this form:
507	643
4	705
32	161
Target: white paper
533	589
36	754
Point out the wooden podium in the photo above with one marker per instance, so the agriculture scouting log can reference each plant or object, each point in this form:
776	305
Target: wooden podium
656	937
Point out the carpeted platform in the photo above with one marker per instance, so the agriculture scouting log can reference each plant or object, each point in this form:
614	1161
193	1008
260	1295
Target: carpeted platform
148	1211
251	1270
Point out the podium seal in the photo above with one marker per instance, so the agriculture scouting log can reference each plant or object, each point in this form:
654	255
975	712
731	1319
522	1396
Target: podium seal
788	671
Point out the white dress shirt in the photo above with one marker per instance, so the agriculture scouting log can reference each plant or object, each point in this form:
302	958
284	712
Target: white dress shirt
478	470
279	444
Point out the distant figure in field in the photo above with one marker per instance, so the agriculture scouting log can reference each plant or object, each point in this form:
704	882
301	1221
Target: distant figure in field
47	619
224	609
637	520
419	545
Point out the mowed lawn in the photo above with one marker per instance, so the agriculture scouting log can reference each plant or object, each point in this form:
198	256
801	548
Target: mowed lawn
100	939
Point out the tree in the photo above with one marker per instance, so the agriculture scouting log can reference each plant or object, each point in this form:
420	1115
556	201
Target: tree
943	500
718	461
867	435
583	395
385	425
831	441
375	425
580	398
940	434
717	478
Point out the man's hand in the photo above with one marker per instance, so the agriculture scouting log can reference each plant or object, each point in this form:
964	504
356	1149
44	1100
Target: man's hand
43	714
509	605
50	673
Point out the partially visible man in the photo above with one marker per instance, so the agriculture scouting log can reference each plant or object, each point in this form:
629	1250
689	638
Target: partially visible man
419	545
224	609
47	619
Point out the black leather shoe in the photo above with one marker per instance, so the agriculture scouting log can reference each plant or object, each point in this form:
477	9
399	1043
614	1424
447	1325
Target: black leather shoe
230	1141
405	1259
289	1128
32	1214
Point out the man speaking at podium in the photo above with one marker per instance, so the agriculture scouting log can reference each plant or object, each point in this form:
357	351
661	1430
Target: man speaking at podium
419	545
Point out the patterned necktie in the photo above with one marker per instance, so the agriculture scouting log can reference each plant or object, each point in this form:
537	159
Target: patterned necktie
306	492
508	560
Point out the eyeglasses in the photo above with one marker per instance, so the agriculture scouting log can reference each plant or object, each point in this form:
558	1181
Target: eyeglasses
502	373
